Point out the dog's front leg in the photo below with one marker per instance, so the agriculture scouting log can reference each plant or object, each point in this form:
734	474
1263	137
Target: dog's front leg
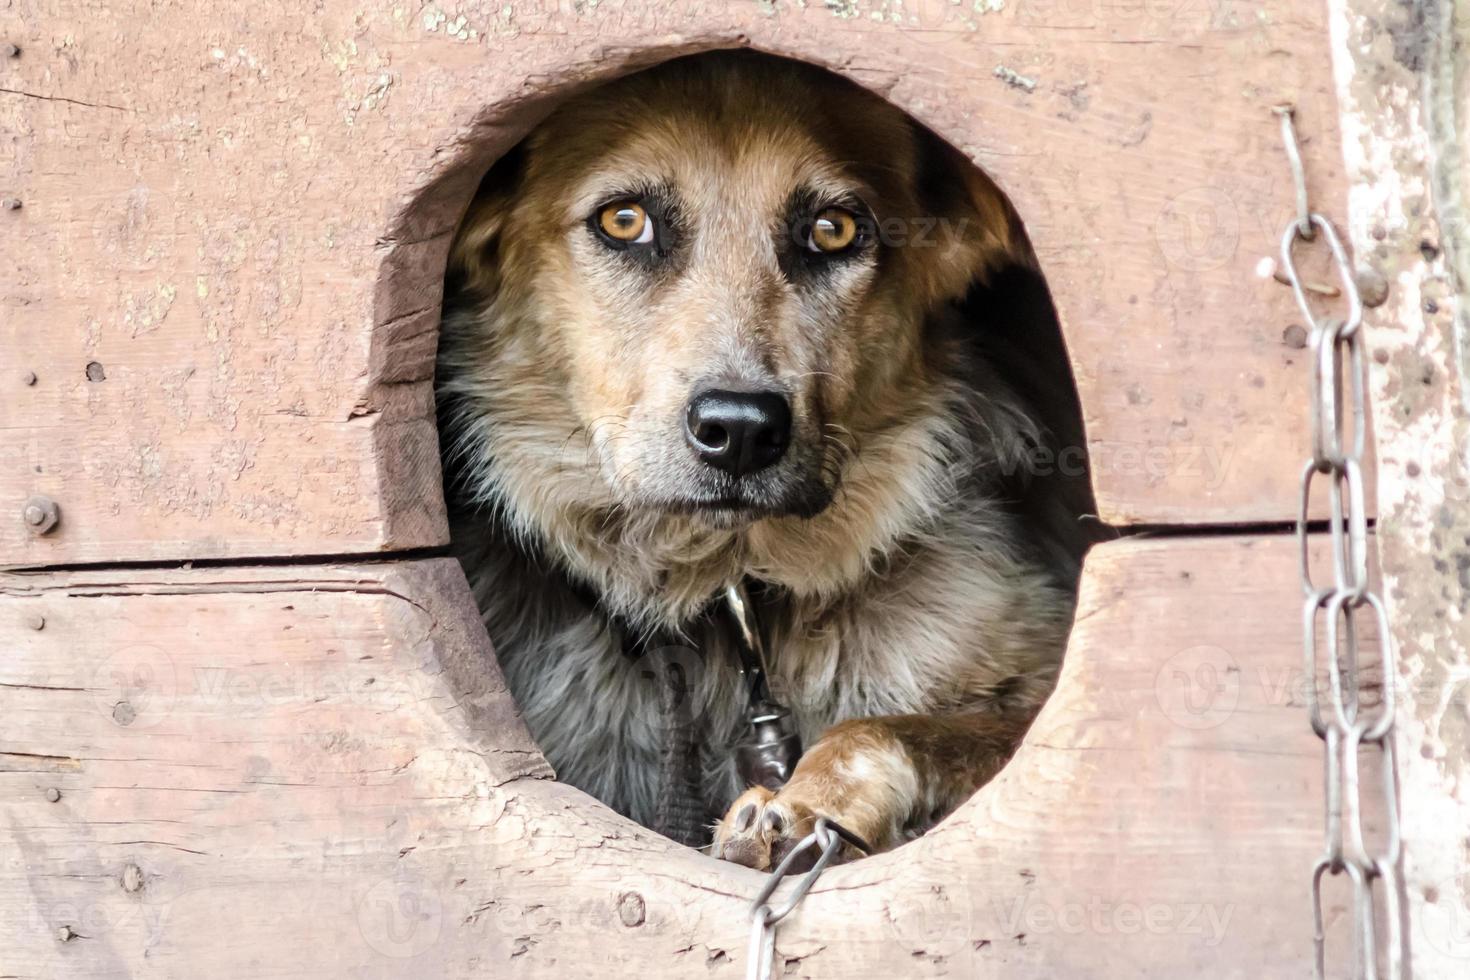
878	777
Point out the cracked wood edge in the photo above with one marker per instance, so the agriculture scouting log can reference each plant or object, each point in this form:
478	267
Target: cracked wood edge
330	780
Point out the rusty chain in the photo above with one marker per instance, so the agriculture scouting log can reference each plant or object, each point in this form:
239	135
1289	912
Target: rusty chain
1338	440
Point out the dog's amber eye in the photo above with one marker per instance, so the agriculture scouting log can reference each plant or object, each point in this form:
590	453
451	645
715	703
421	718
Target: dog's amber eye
833	230
626	222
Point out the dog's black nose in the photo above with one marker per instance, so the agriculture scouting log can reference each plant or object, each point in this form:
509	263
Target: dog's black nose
739	432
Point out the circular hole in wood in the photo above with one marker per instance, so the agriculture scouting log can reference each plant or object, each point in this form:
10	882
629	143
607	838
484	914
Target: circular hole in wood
911	554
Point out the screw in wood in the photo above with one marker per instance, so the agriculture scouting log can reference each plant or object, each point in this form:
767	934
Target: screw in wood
36	621
65	934
53	794
10	50
29	378
10	203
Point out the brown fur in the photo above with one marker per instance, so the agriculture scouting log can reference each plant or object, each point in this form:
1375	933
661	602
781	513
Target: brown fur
896	578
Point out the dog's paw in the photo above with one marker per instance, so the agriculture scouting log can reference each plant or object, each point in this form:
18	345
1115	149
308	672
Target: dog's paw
762	827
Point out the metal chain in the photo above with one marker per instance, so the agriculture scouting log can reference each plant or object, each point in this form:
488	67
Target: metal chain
1349	726
829	837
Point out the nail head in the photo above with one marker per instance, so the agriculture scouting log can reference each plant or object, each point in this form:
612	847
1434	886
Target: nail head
631	909
1372	287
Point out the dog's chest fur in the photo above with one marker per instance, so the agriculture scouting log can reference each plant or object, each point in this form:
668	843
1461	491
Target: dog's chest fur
962	623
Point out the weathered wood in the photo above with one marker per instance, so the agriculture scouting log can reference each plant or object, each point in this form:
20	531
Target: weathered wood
316	772
1403	87
242	226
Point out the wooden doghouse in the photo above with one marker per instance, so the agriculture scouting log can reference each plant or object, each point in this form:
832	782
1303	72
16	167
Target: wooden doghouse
250	724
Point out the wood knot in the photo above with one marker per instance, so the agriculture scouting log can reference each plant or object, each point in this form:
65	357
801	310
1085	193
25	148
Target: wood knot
631	909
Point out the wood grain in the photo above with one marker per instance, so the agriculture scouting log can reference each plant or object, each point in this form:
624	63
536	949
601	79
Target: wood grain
226	268
316	772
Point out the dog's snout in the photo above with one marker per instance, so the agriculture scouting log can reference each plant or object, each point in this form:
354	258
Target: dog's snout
739	432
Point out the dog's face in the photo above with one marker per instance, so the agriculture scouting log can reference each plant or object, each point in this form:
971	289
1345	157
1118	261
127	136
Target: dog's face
716	275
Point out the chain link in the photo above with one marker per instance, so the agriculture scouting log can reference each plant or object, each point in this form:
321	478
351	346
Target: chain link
1346	728
763	918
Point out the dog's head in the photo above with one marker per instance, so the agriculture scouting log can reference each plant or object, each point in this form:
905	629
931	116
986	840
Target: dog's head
714	277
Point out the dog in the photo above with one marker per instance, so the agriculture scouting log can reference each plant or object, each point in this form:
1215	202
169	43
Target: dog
736	319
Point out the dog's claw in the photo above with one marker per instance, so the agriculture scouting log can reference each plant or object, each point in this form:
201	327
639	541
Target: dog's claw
761	828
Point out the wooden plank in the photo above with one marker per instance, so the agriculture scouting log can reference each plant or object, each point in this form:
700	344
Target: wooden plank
238	228
1404	112
316	772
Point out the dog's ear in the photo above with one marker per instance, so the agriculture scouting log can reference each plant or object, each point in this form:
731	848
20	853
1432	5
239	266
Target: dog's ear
474	257
978	232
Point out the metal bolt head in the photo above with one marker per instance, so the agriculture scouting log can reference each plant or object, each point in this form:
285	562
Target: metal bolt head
36	621
41	514
29	378
10	203
64	934
1372	287
53	794
9	50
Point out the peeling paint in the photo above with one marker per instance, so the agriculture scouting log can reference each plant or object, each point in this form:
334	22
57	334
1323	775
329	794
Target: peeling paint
1014	78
